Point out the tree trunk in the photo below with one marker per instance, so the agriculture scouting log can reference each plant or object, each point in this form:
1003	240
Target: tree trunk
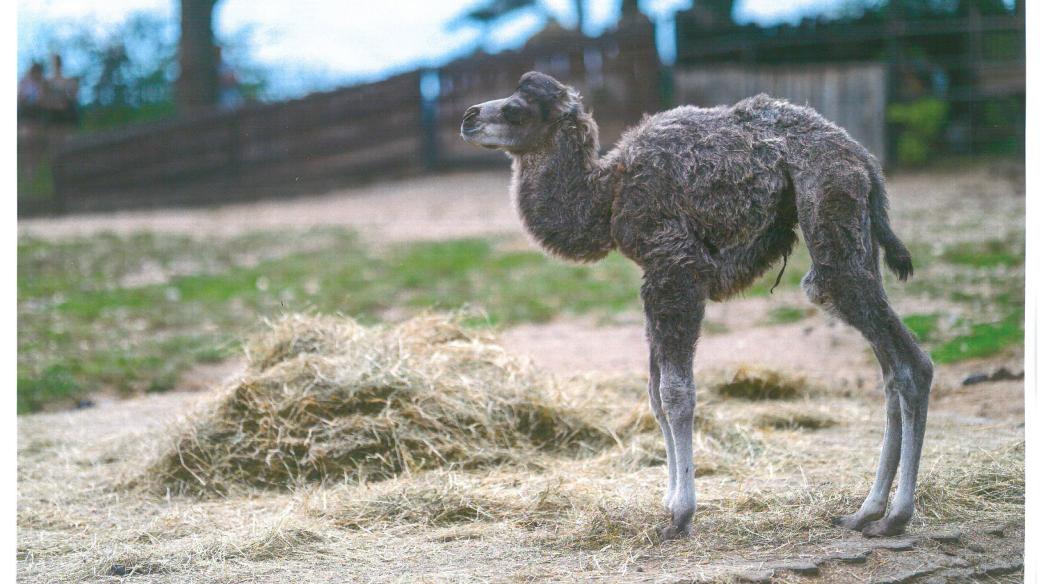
197	82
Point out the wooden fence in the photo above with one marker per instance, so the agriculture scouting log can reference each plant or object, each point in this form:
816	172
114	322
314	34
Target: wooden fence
972	60
330	138
851	95
37	143
255	151
390	127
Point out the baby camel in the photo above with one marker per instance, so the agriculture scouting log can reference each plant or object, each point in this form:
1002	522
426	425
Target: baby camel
705	201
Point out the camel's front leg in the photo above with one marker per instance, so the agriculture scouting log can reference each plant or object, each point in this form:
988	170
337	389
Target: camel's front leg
654	389
677	394
674	309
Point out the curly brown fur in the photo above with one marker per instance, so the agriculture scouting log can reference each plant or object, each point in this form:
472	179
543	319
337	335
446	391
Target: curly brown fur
705	200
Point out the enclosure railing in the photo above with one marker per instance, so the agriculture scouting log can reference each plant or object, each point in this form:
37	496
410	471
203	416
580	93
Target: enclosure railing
410	123
217	156
358	132
973	62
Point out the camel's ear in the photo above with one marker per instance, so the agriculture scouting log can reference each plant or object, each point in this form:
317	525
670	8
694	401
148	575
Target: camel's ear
577	122
571	103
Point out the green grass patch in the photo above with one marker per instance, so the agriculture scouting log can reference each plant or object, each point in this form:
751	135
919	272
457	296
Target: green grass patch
987	307
922	325
983	340
965	339
54	383
786	315
510	286
984	254
131	314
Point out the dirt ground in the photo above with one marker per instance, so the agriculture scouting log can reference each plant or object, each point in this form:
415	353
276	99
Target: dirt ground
447	206
73	521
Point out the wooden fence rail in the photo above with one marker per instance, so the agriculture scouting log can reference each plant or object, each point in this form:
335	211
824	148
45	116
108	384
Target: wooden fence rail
247	153
357	132
390	127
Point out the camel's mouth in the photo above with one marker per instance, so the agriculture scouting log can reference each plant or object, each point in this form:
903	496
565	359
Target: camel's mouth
475	140
480	136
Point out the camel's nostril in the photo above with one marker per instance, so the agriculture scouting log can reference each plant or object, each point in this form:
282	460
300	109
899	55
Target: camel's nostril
471	115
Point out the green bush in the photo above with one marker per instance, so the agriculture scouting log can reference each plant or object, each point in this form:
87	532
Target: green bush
920	124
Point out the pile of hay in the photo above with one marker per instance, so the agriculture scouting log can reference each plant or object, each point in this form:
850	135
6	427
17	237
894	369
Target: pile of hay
757	383
325	398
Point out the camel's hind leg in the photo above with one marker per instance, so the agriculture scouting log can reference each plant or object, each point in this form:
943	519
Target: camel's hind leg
859	299
873	507
846	279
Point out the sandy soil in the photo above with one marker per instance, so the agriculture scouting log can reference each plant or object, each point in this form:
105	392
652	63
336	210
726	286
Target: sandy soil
820	347
428	207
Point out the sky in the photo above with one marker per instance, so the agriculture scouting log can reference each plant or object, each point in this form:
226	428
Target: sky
345	41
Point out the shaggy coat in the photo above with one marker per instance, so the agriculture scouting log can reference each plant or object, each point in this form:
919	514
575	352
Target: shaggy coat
706	200
712	189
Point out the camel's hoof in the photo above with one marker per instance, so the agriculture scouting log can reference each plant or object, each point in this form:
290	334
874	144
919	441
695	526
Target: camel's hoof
672	532
852	522
884	528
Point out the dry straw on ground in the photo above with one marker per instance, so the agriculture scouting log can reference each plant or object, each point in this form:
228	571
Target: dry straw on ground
341	437
328	399
325	398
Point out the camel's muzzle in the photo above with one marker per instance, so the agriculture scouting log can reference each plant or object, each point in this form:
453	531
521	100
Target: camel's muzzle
482	125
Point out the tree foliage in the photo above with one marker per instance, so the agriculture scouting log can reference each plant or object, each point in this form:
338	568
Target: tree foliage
127	72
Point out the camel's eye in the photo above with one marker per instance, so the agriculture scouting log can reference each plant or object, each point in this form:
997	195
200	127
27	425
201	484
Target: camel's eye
514	114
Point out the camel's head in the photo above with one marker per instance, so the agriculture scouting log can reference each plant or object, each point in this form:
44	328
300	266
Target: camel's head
525	120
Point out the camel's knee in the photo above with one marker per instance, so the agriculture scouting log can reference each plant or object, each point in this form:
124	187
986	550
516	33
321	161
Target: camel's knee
913	380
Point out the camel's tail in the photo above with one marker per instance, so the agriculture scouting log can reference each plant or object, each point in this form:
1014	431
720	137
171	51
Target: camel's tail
897	257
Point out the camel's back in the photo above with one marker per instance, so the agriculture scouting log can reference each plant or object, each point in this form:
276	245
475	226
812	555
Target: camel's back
715	168
722	169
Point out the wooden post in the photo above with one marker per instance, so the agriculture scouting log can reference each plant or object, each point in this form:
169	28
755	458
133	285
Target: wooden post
197	54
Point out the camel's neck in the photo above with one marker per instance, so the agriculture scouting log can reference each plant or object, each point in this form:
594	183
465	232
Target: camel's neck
563	194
